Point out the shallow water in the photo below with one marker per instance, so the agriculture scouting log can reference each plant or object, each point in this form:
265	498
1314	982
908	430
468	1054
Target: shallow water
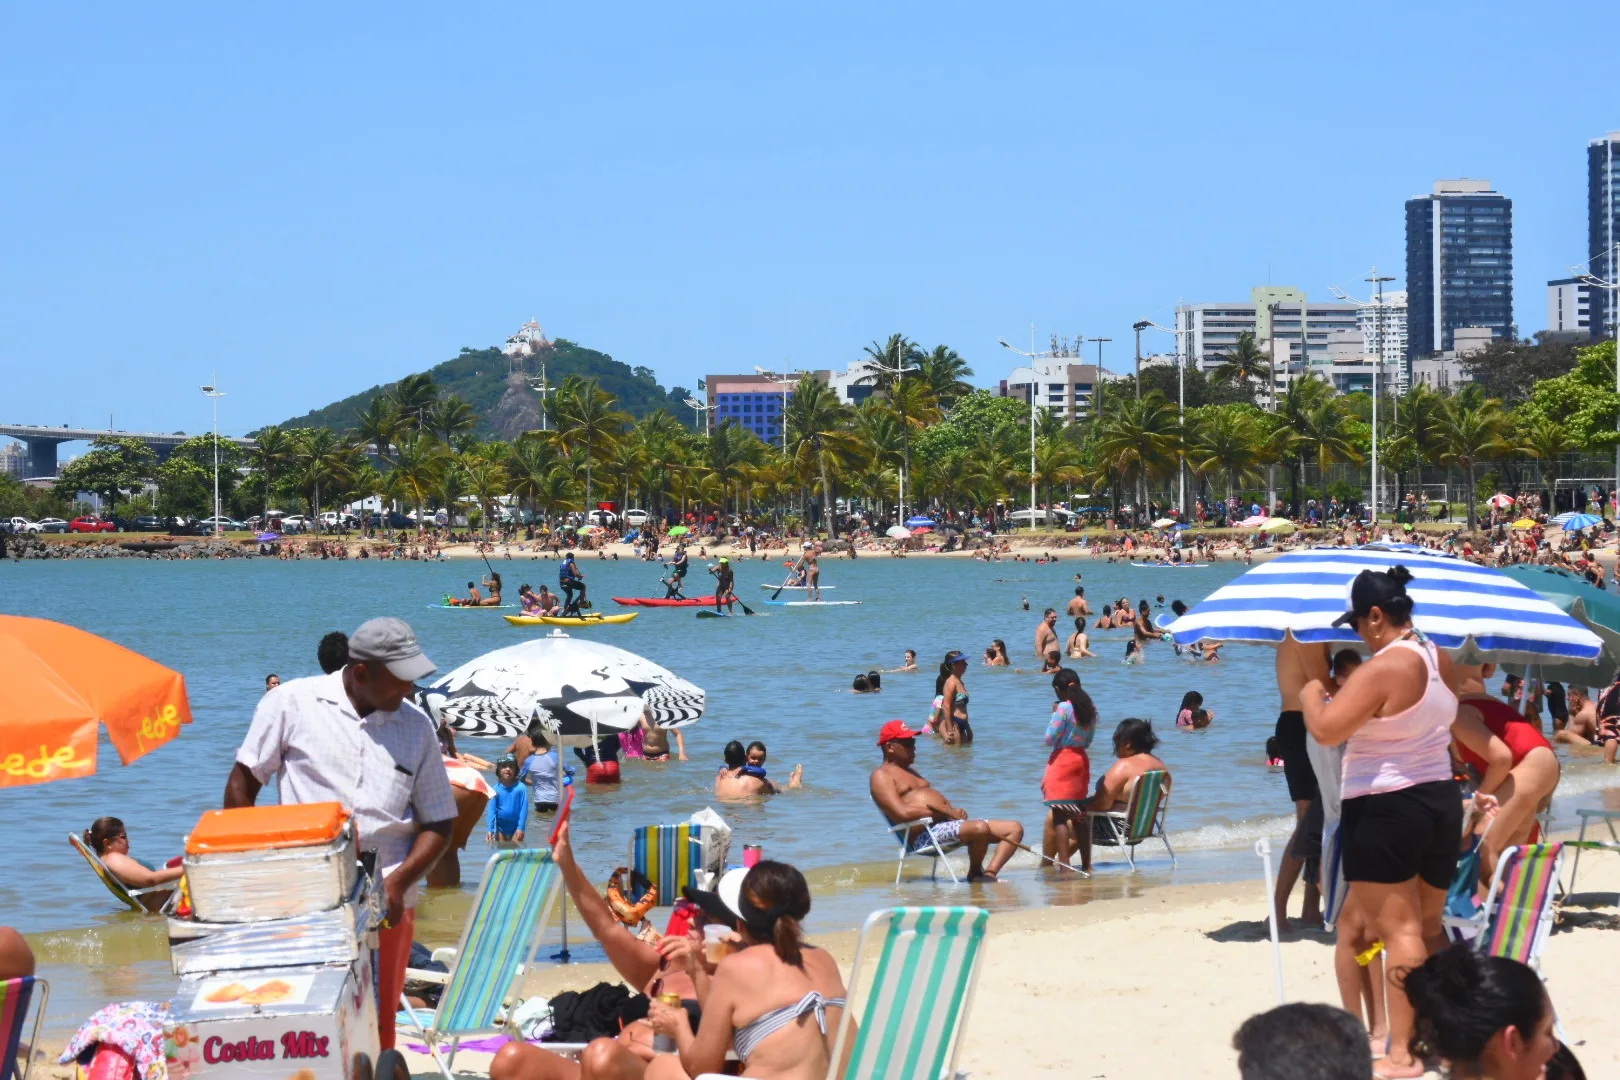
782	676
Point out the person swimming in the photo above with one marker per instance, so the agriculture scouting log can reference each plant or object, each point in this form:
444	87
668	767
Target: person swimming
1192	716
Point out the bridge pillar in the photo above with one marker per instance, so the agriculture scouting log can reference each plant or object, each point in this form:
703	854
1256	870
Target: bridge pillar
41	455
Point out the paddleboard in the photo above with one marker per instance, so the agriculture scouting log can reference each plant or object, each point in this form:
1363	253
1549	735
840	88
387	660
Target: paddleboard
768	587
568	620
658	601
471	607
1172	566
717	614
811	603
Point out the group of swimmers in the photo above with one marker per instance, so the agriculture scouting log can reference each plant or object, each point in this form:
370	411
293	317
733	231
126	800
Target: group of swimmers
743	774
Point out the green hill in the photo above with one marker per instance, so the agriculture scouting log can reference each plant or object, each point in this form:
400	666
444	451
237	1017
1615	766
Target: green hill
505	405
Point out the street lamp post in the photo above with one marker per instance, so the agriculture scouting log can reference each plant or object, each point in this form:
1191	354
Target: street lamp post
1181	406
1034	386
1593	281
541	387
785	380
1377	280
1139	326
898	370
700	413
212	390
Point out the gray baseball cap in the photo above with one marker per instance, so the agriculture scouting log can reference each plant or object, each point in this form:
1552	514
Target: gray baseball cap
392	643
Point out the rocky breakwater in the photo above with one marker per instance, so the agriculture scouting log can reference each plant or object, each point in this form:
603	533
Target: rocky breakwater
126	547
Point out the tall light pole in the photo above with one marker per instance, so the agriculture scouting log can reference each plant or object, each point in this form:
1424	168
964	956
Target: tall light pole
785	380
212	390
700	414
1593	281
1181	406
898	369
1377	280
1034	386
541	387
1139	326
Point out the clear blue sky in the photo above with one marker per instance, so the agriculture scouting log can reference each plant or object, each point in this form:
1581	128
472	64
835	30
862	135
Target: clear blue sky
316	198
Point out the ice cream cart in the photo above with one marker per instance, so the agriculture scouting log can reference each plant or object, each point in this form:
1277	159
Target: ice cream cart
273	948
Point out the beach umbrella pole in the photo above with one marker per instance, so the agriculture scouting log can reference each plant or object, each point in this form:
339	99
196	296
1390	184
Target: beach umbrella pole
1262	848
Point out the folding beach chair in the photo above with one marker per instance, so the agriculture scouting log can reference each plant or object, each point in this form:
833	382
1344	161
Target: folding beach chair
1518	912
514	902
1142	818
913	1017
669	856
934	849
1608	817
127	896
15	995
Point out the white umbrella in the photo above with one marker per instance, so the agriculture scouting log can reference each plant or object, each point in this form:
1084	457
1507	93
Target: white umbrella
1474	612
899	532
1500	501
1164	523
573	686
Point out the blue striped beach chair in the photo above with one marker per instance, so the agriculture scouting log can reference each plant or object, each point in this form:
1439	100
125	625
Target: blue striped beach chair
913	1017
669	856
1142	818
15	995
514	902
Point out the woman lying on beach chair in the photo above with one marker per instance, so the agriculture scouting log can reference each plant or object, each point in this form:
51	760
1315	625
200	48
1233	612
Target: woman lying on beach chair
105	844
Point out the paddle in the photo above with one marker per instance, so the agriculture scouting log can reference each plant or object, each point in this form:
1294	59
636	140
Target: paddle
791	570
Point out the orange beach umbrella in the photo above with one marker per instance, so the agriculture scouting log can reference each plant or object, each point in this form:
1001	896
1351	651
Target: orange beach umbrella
59	683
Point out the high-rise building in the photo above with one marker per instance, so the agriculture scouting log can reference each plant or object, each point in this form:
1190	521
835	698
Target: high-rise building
755	402
1603	229
1385	324
13	460
1059	385
1459	264
1569	309
1210	331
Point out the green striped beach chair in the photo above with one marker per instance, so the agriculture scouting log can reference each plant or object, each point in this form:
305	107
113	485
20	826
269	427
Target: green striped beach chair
913	1017
669	856
1142	818
15	995
514	901
1518	912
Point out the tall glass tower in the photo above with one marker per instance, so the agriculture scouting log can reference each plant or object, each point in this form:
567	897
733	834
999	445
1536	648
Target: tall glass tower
1459	264
1603	229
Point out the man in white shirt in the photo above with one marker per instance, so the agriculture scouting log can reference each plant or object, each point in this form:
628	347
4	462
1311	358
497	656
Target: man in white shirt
352	737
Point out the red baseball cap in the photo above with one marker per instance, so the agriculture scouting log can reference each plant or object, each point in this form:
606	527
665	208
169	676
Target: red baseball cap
896	729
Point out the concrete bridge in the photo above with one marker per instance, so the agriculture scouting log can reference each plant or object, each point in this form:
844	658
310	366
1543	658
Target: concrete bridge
43	441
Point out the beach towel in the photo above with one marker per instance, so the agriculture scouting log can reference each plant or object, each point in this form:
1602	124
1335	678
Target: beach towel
135	1027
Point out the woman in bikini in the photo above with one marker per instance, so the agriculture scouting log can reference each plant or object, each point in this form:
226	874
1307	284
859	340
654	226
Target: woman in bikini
776	1001
1078	645
950	716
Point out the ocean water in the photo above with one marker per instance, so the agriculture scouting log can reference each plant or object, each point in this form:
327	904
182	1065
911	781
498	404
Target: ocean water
782	676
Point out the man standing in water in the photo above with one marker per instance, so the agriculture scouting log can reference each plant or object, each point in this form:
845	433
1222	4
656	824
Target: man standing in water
725	585
1078	605
353	737
677	573
1298	664
902	795
1046	638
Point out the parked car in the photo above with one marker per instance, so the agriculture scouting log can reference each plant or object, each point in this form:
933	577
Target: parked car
224	522
636	518
91	524
179	526
332	519
20	525
295	523
1056	515
149	523
51	525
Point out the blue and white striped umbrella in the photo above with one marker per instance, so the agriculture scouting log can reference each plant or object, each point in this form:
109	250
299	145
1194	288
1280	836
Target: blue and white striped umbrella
1573	522
1474	612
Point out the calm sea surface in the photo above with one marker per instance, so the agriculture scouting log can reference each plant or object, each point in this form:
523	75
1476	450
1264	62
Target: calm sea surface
782	677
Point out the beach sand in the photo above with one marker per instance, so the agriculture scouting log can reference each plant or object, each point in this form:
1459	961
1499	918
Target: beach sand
1155	985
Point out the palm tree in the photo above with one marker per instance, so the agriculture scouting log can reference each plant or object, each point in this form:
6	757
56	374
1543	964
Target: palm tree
886	360
1246	363
1137	438
528	462
1227	438
1544	440
379	423
816	424
486	482
1057	461
1419	423
945	374
413	396
450	418
1472	428
1310	407
587	422
272	453
320	460
418	461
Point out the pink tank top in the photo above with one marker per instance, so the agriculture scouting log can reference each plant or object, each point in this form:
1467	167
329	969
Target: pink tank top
1390	753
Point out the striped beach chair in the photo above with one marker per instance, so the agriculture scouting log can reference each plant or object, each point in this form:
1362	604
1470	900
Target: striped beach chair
1518	912
912	1019
934	849
130	898
514	901
15	996
1142	818
669	856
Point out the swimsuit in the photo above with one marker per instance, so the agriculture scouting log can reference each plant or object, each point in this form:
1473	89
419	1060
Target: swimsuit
945	833
747	1038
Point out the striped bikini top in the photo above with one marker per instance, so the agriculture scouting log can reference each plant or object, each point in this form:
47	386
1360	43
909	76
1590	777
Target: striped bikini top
750	1035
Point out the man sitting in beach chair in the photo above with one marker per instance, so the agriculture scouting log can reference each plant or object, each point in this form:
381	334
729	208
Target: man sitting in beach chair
665	967
904	796
1134	743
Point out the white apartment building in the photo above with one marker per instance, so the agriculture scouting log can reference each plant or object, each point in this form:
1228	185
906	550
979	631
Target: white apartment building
1569	308
1059	386
1211	330
1386	321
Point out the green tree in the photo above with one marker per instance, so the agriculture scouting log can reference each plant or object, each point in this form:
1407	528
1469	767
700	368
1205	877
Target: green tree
1583	401
1226	439
1137	439
379	424
945	374
1246	364
414	397
271	457
1471	430
115	465
816	421
587	422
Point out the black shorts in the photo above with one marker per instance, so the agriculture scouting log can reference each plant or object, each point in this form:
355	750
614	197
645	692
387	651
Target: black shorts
1296	762
1395	836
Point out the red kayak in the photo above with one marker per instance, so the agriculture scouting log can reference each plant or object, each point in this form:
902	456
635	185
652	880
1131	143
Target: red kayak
655	601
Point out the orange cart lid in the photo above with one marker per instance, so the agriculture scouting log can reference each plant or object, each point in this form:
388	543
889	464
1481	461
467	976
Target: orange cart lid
251	828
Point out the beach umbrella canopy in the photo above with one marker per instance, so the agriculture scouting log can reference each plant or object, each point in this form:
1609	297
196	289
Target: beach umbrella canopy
60	684
269	536
679	530
1251	522
1474	612
573	686
1276	525
899	532
1593	608
1500	501
1577	522
1524	523
1164	523
919	522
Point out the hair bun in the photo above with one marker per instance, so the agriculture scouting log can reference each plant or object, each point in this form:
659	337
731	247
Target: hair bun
1398	575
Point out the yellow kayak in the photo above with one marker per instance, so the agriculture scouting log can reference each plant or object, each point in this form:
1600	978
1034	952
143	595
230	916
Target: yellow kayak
569	620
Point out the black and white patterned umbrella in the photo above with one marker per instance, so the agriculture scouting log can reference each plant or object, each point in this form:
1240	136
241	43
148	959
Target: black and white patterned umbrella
575	687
